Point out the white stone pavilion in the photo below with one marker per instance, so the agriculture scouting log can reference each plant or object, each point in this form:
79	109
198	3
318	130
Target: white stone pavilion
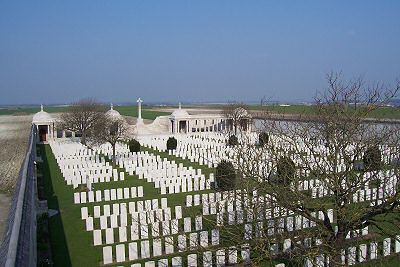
180	121
44	124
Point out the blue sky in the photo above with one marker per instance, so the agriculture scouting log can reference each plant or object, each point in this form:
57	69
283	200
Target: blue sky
116	51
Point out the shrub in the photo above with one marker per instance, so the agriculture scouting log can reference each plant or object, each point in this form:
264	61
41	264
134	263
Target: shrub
285	171
225	175
134	145
372	159
172	143
233	140
263	138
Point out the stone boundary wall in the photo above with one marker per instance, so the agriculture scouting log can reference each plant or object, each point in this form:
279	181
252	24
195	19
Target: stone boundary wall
19	244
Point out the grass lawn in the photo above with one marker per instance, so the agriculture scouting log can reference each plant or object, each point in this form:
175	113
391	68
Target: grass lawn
71	244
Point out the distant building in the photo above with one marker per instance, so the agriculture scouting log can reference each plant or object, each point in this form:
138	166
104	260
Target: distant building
180	121
44	124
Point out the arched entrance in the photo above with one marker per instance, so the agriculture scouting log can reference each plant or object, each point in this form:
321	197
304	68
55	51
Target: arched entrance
43	131
182	126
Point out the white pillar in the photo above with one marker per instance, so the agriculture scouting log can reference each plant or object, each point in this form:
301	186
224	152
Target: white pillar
139	101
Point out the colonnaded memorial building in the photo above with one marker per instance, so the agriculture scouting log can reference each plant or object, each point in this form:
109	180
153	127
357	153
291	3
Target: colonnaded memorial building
179	122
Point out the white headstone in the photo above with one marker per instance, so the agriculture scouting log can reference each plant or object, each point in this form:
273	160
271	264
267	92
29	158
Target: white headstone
135	231
220	255
362	253
163	263
96	212
103	222
177	262
207	259
373	250
120	252
204	239
169	245
133	251
178	212
110	236
232	257
199	223
107	255
77	198
181	243
215	237
187	224
145	249
89	224
287	244
387	246
193	240
192	260
157	247
97	237
122	234
140	191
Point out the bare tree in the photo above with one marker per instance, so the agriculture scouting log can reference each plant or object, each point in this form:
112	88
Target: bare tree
312	170
110	130
82	117
237	117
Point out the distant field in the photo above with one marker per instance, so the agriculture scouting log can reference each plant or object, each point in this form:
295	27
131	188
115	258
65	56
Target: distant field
380	113
151	112
29	110
147	111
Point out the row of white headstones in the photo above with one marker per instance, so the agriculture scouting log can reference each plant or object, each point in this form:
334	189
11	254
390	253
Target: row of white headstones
122	231
368	194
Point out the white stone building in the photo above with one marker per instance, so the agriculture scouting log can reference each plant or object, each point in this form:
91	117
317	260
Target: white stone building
180	121
45	125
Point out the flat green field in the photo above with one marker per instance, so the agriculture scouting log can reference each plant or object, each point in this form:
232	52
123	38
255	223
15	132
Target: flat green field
147	111
379	113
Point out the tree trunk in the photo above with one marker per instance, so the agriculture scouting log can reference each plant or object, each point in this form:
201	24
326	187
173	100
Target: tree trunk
338	244
113	155
83	138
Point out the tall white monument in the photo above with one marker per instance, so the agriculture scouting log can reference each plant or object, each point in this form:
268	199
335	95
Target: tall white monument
139	119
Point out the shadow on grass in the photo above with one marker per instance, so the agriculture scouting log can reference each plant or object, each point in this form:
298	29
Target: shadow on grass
60	252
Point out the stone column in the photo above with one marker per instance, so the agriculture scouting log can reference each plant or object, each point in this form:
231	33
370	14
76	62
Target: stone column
139	101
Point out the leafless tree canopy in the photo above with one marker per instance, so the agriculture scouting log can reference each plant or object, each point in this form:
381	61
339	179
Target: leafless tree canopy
82	117
327	149
237	116
110	130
